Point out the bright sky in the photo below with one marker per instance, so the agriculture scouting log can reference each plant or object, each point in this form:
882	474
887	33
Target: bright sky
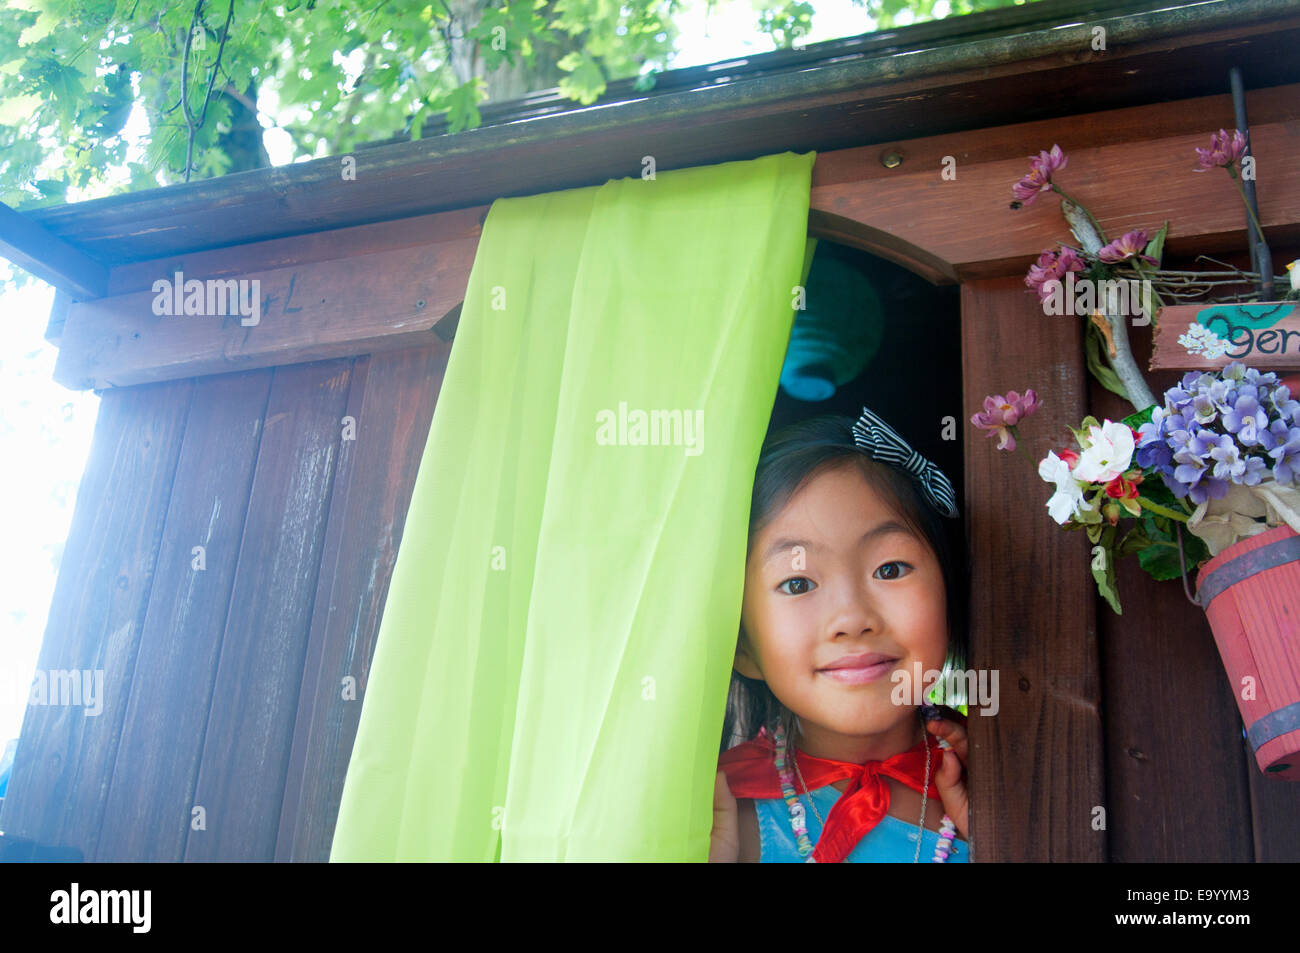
45	430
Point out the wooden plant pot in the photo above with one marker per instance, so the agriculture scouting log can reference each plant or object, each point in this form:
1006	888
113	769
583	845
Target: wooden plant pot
1251	595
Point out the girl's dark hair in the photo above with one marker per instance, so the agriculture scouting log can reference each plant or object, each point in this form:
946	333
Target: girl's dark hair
790	458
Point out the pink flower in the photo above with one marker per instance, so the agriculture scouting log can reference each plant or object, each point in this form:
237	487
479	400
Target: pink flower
1001	414
1127	246
1222	152
1039	177
1052	266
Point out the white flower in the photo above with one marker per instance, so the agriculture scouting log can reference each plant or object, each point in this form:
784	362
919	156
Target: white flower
1109	456
1201	340
1068	498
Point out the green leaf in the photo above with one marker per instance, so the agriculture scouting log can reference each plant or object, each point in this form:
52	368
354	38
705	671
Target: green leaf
1134	541
1083	431
1105	575
417	122
1092	345
1156	246
461	105
1154	489
585	81
52	189
1160	560
1141	417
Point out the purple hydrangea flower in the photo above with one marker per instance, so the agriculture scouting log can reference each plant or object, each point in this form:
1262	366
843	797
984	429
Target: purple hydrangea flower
1287	456
1245	420
1204	409
1232	426
1282	405
1229	464
1153	452
1256	470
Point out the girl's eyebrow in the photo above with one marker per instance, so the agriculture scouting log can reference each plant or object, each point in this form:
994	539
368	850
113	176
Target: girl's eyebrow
780	545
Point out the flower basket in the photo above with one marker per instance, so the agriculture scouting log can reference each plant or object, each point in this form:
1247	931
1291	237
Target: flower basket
1251	596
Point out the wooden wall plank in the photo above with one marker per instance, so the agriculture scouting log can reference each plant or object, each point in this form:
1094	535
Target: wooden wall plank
65	757
1275	814
255	695
1036	767
233	260
299	313
162	736
1172	726
392	400
906	213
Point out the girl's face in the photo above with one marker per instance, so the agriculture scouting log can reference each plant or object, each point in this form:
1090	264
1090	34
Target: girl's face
861	584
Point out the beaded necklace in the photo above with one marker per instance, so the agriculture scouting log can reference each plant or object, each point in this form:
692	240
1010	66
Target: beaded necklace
798	815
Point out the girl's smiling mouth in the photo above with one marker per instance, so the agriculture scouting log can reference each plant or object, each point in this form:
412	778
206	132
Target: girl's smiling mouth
859	669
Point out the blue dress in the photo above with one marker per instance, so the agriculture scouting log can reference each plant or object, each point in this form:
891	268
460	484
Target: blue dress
890	841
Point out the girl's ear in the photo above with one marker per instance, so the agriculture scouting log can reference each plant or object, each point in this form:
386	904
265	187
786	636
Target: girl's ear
744	663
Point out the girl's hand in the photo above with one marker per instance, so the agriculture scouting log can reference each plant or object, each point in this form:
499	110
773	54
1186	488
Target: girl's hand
951	778
724	845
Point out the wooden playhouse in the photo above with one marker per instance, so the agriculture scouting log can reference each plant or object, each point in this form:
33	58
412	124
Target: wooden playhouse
219	690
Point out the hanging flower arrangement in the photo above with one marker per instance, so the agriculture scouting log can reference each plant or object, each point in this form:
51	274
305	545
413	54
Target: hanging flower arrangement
1207	476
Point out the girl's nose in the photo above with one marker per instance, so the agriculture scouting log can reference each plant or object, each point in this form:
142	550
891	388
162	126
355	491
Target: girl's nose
855	611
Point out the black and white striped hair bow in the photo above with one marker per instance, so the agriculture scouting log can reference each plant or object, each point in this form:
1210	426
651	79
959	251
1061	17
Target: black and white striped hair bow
883	443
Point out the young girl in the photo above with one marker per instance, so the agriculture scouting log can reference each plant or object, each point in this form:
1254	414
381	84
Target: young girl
852	575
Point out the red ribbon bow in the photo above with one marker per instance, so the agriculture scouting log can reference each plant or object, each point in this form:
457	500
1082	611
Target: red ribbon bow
751	773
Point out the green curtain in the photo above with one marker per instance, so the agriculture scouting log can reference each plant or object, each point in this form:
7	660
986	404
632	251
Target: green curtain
552	665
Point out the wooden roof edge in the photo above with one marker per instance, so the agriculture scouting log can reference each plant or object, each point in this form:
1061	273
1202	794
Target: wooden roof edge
930	34
318	192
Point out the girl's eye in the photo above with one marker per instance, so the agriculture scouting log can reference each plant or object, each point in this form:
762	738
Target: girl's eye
802	579
898	568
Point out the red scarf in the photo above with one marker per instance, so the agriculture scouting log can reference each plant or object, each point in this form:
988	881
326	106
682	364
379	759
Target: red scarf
751	773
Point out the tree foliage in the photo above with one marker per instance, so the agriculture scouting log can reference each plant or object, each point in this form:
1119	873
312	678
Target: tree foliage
339	73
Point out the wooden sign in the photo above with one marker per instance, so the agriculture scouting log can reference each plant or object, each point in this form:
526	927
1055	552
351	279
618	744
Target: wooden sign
1196	337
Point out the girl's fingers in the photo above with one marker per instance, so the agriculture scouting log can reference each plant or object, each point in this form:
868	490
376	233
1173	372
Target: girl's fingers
951	732
952	792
